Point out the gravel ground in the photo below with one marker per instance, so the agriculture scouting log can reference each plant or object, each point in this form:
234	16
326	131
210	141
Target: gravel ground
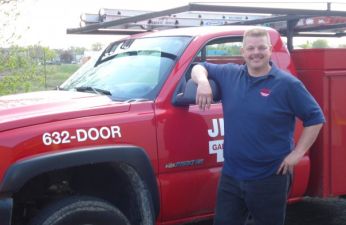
312	211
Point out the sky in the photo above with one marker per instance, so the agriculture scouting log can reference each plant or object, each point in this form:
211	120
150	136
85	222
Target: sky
45	22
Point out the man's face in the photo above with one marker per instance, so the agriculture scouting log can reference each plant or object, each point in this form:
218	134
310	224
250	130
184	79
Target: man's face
256	52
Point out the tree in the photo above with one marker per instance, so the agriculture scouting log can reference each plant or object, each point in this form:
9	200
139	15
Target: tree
96	46
77	50
307	44
66	56
41	54
9	14
49	54
18	71
36	52
6	1
320	43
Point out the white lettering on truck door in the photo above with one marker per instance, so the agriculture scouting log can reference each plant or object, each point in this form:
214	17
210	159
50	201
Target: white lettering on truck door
216	146
81	135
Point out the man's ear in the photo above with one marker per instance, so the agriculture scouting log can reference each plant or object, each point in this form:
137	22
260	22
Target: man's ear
271	48
242	51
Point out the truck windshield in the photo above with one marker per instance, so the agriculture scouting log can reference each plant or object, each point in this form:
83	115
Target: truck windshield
130	69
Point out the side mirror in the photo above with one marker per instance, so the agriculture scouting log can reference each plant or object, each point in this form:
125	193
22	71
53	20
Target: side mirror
188	96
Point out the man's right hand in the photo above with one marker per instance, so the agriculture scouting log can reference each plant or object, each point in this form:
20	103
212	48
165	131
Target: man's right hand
204	95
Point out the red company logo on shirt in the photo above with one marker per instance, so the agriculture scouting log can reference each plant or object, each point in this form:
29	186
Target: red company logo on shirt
265	92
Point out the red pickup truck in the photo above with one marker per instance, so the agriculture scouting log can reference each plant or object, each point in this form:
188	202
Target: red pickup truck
121	142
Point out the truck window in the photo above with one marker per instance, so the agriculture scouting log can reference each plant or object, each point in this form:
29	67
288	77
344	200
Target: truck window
219	51
223	50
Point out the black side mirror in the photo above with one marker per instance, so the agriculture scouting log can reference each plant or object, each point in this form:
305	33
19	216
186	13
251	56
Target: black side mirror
188	96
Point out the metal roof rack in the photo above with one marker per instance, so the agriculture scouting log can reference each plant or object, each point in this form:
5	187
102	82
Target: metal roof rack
289	22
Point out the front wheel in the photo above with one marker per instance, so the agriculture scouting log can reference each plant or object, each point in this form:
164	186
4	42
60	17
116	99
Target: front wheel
80	210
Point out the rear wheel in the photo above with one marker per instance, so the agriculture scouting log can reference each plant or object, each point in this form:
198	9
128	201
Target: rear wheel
80	210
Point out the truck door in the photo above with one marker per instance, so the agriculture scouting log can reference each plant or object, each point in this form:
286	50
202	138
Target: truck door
190	145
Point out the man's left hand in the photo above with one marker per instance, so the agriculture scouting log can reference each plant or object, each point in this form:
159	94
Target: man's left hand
289	162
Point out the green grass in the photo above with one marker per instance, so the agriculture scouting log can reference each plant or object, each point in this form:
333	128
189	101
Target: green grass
57	74
36	78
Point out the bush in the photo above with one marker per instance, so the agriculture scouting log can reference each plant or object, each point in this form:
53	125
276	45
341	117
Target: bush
18	71
21	72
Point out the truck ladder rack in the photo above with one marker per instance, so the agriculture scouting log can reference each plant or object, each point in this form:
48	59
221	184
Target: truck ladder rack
289	22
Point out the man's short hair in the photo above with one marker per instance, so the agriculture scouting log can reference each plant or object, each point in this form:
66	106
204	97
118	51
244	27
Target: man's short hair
256	32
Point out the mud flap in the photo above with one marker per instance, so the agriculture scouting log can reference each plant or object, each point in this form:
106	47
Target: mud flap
6	211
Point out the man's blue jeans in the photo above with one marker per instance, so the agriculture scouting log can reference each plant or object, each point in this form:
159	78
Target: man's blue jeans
264	199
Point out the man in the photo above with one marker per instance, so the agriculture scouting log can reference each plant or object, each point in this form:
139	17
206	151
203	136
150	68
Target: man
260	103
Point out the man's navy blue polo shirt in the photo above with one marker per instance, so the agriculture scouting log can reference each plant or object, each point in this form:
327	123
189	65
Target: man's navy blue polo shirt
259	118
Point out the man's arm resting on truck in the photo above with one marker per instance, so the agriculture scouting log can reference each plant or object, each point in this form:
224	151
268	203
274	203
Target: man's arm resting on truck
305	141
204	94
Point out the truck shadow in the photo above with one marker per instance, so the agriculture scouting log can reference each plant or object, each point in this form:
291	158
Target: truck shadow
311	211
317	211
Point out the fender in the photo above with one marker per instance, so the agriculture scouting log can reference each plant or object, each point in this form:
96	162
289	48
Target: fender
22	171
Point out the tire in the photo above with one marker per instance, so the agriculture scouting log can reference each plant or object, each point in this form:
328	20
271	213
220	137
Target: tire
80	210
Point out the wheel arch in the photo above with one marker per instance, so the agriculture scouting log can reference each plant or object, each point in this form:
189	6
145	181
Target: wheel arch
132	157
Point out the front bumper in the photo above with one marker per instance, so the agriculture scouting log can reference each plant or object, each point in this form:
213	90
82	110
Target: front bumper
6	211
